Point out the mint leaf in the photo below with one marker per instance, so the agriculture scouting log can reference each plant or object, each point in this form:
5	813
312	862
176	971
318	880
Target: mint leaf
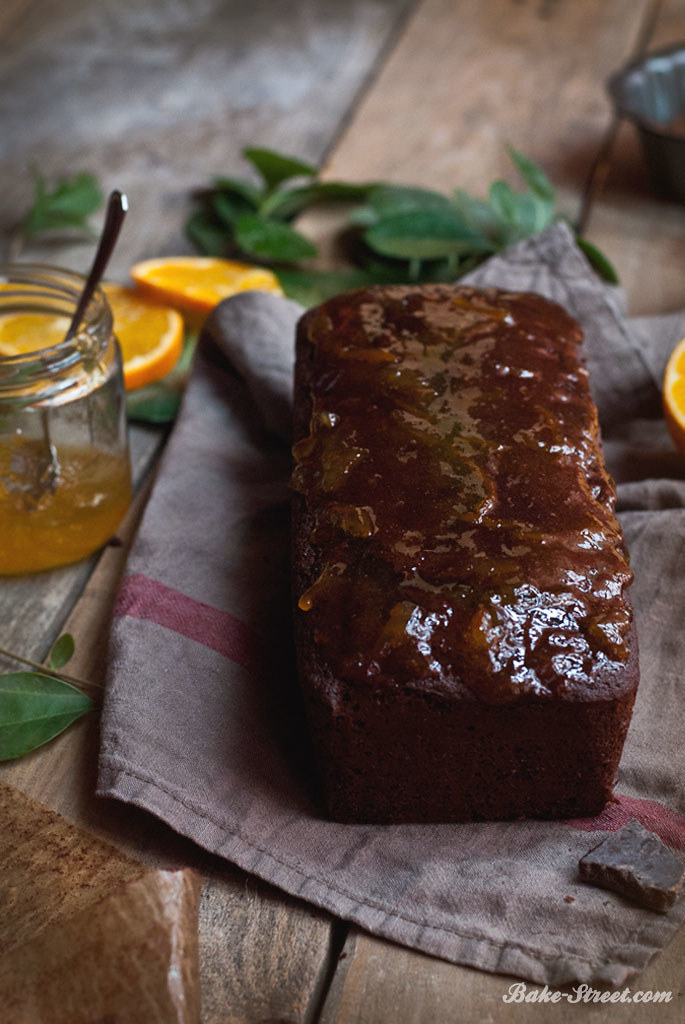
69	204
424	235
62	651
34	708
271	240
275	167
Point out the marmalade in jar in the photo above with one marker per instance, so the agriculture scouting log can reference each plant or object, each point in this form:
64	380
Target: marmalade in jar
64	463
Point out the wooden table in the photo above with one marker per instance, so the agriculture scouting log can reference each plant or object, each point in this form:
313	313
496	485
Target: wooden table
156	98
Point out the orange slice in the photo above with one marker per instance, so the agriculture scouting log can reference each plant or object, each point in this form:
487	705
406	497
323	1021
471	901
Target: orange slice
674	395
21	333
197	283
150	335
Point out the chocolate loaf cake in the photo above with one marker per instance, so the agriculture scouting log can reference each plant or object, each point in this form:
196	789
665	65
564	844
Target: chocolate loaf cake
465	640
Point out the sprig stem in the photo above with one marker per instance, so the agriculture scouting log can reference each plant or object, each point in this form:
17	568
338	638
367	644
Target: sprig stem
46	670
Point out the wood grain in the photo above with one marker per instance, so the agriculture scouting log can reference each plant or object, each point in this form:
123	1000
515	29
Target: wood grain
641	232
378	981
262	955
467	77
157	98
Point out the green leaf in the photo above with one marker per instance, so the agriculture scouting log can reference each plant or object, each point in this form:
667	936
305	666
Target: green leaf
288	202
477	215
534	177
424	235
239	189
520	214
159	402
598	261
276	167
229	207
155	403
271	240
310	287
208	236
34	708
390	200
62	651
69	204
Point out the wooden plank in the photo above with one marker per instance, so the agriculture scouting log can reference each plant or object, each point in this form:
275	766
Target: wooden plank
155	100
380	982
532	74
642	233
262	955
33	608
468	77
158	98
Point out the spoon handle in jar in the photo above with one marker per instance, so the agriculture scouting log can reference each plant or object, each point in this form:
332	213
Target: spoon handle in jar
117	205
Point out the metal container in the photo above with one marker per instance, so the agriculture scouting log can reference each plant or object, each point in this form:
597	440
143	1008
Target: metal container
650	91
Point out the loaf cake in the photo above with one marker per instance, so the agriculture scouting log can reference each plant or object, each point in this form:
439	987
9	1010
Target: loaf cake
466	649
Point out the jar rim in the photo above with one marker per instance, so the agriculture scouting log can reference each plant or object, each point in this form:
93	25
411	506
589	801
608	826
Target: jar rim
49	371
50	289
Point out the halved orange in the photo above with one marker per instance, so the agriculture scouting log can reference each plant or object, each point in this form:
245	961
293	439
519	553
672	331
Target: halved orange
674	395
196	284
150	334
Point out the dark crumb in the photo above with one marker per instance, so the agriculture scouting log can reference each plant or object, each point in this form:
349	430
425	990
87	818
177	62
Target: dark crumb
570	899
636	864
115	542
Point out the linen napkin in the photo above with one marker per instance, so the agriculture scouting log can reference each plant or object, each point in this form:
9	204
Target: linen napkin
202	723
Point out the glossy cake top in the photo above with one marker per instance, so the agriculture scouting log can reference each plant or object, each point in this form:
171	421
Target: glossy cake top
464	522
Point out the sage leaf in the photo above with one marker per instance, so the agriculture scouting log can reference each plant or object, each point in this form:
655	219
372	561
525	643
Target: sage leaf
390	200
160	401
239	189
69	204
424	235
276	167
229	206
310	287
34	708
286	203
62	651
598	261
271	240
477	215
207	235
534	177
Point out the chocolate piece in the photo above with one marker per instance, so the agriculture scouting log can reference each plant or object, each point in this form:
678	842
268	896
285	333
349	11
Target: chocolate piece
636	864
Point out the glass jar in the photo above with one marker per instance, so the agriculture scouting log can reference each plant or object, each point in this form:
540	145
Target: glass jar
65	479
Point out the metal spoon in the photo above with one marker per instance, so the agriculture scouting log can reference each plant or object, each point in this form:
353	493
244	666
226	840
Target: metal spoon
117	205
46	462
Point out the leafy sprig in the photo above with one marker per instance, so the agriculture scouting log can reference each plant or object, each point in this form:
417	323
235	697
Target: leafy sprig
66	205
37	706
392	232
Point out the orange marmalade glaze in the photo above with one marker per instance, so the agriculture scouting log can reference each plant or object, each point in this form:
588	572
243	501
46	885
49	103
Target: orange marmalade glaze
464	523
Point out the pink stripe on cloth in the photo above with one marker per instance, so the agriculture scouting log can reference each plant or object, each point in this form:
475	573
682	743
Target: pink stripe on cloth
669	826
141	597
